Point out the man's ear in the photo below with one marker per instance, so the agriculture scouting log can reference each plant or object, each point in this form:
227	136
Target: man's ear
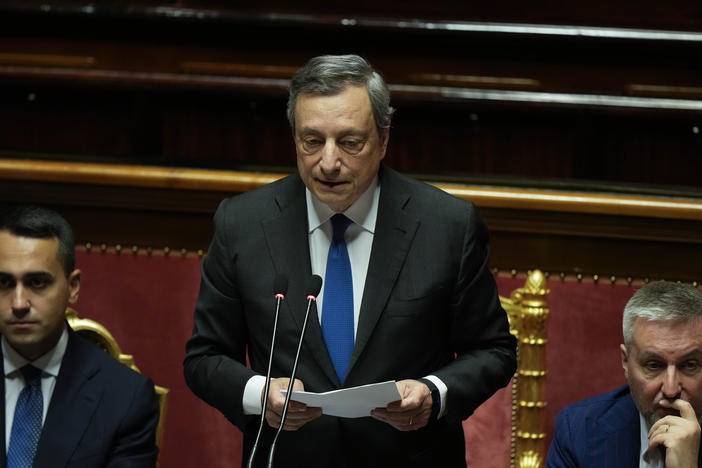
625	360
384	138
73	286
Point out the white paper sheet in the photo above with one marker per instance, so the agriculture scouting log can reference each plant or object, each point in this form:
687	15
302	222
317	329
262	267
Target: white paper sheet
355	402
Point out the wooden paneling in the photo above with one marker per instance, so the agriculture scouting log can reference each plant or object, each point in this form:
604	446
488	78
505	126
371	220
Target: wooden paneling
545	95
575	128
559	232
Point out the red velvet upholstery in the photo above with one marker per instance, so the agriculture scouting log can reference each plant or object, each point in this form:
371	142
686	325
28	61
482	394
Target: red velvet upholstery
488	432
584	333
146	301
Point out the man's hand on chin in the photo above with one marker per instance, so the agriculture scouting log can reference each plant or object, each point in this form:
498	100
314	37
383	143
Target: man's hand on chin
680	435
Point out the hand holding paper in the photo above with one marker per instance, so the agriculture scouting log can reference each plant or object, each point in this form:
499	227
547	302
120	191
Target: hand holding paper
355	402
298	414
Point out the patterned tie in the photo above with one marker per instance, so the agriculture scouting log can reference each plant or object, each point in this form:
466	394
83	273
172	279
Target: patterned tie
337	312
26	426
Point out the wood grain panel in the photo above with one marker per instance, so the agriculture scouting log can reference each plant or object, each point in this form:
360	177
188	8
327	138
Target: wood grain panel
239	181
46	60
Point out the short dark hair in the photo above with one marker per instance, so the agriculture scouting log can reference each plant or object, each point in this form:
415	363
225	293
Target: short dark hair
329	75
41	223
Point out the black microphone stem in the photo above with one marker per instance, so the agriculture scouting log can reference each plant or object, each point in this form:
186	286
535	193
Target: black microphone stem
279	298
310	300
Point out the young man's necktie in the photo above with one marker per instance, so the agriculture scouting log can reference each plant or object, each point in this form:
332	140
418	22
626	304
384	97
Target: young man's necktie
26	425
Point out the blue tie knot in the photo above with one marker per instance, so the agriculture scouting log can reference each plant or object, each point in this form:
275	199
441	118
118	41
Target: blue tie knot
339	223
32	375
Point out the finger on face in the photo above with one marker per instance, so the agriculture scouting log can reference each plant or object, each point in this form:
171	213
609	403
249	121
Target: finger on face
685	408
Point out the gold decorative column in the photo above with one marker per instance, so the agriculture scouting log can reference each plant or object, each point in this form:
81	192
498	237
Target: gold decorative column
528	313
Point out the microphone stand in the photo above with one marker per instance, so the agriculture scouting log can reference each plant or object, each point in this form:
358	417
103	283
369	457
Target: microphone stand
310	299
279	298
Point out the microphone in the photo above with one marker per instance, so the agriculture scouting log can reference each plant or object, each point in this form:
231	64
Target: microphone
280	287
312	288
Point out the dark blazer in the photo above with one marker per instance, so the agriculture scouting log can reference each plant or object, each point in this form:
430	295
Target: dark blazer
101	414
599	432
430	306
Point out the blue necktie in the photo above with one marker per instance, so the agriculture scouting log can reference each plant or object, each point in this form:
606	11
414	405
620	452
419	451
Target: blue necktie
26	425
337	312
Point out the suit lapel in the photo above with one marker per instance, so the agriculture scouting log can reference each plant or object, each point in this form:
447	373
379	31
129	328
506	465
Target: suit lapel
286	237
72	406
288	241
617	434
394	232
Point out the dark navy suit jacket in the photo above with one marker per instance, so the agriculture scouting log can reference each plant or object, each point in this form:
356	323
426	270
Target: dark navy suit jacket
599	432
101	414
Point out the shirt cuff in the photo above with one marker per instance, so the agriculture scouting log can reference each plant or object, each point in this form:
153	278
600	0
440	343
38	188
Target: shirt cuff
251	400
443	391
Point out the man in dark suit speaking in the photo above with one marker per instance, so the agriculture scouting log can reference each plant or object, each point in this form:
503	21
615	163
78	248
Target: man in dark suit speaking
67	402
407	293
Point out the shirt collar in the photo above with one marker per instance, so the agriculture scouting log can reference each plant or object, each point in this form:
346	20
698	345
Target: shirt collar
363	212
49	363
647	460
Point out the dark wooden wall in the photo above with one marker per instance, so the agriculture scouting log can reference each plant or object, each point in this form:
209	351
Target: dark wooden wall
600	97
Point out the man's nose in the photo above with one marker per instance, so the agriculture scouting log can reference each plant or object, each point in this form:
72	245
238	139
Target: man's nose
671	383
330	161
20	301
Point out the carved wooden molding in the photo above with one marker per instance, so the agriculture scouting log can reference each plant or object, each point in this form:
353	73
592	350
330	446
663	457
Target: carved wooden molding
238	69
239	181
242	78
47	60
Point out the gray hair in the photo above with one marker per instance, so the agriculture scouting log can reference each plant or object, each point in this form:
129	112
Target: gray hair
329	75
661	301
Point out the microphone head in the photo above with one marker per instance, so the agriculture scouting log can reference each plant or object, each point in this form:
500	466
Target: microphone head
313	286
280	285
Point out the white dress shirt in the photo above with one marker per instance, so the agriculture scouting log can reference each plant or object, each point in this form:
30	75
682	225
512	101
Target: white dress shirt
49	364
358	237
654	459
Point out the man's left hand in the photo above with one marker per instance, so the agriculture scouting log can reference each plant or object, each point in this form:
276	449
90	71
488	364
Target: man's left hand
679	434
410	413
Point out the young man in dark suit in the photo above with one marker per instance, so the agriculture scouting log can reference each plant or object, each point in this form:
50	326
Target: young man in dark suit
422	310
67	402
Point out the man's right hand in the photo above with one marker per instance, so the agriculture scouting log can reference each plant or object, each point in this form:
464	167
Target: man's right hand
679	434
298	413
